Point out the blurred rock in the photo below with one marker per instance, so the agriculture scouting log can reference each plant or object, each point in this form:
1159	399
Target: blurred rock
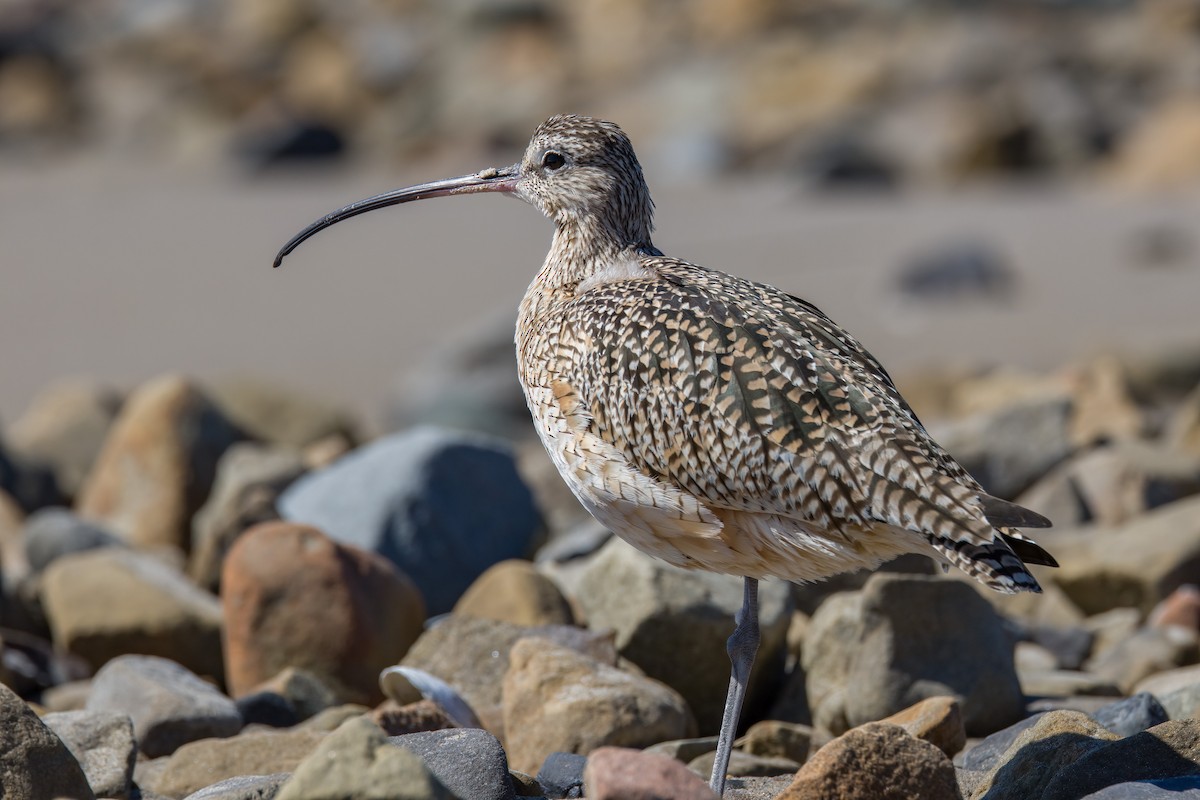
249	479
595	705
876	652
289	143
105	603
281	415
409	685
30	485
673	624
157	464
1148	651
1161	152
876	761
246	787
332	718
685	750
34	763
68	696
14	566
514	591
169	705
1169	750
1010	448
294	598
267	708
1183	429
776	739
1111	485
64	429
443	506
1137	564
419	717
1057	740
959	271
470	763
472	655
1067	683
202	763
54	532
937	720
619	773
745	765
357	761
306	693
1132	714
1103	409
1181	607
103	744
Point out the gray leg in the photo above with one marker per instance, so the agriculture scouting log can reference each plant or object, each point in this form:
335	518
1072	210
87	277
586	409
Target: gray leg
742	647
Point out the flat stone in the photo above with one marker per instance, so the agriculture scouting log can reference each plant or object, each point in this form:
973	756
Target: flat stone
1187	788
356	761
293	597
684	749
469	762
620	773
169	705
673	623
157	464
414	498
876	652
1147	652
745	765
1066	683
202	763
876	761
514	591
937	720
34	763
331	719
104	745
105	603
594	705
756	788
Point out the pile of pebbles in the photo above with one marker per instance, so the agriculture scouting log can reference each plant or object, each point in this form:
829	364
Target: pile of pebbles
223	593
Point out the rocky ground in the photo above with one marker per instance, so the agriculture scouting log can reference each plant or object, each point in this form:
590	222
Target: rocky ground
213	593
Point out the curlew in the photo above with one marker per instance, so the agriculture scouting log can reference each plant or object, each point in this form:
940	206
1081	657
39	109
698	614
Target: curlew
711	421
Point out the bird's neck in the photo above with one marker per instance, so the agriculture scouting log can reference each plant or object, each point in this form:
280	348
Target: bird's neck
582	248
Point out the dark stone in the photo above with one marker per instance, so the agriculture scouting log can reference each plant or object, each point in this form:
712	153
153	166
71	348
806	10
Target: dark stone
561	775
1131	715
1186	788
958	271
293	142
984	756
267	708
1070	645
1170	750
54	532
32	485
34	763
442	505
470	762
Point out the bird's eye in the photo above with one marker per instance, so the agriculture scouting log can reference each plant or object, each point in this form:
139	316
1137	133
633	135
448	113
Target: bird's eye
552	160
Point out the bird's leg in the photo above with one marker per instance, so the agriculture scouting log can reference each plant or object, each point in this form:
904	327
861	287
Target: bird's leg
742	647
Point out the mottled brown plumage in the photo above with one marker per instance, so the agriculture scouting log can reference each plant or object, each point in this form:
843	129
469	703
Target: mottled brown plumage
712	421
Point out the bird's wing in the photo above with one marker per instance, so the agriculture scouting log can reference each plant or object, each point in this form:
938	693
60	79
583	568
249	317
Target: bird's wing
752	400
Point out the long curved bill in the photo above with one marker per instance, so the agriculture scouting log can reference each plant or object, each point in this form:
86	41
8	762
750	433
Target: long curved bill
490	180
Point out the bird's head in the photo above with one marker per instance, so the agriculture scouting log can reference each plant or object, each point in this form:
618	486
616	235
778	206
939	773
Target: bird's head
581	172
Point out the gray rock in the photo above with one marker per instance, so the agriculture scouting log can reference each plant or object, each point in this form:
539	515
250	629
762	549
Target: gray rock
356	761
685	750
54	532
957	271
745	765
470	762
1147	652
902	639
673	623
34	763
28	483
1169	750
1131	715
103	744
249	479
1009	448
756	788
281	414
169	705
443	506
1041	753
244	787
1186	788
561	775
206	761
